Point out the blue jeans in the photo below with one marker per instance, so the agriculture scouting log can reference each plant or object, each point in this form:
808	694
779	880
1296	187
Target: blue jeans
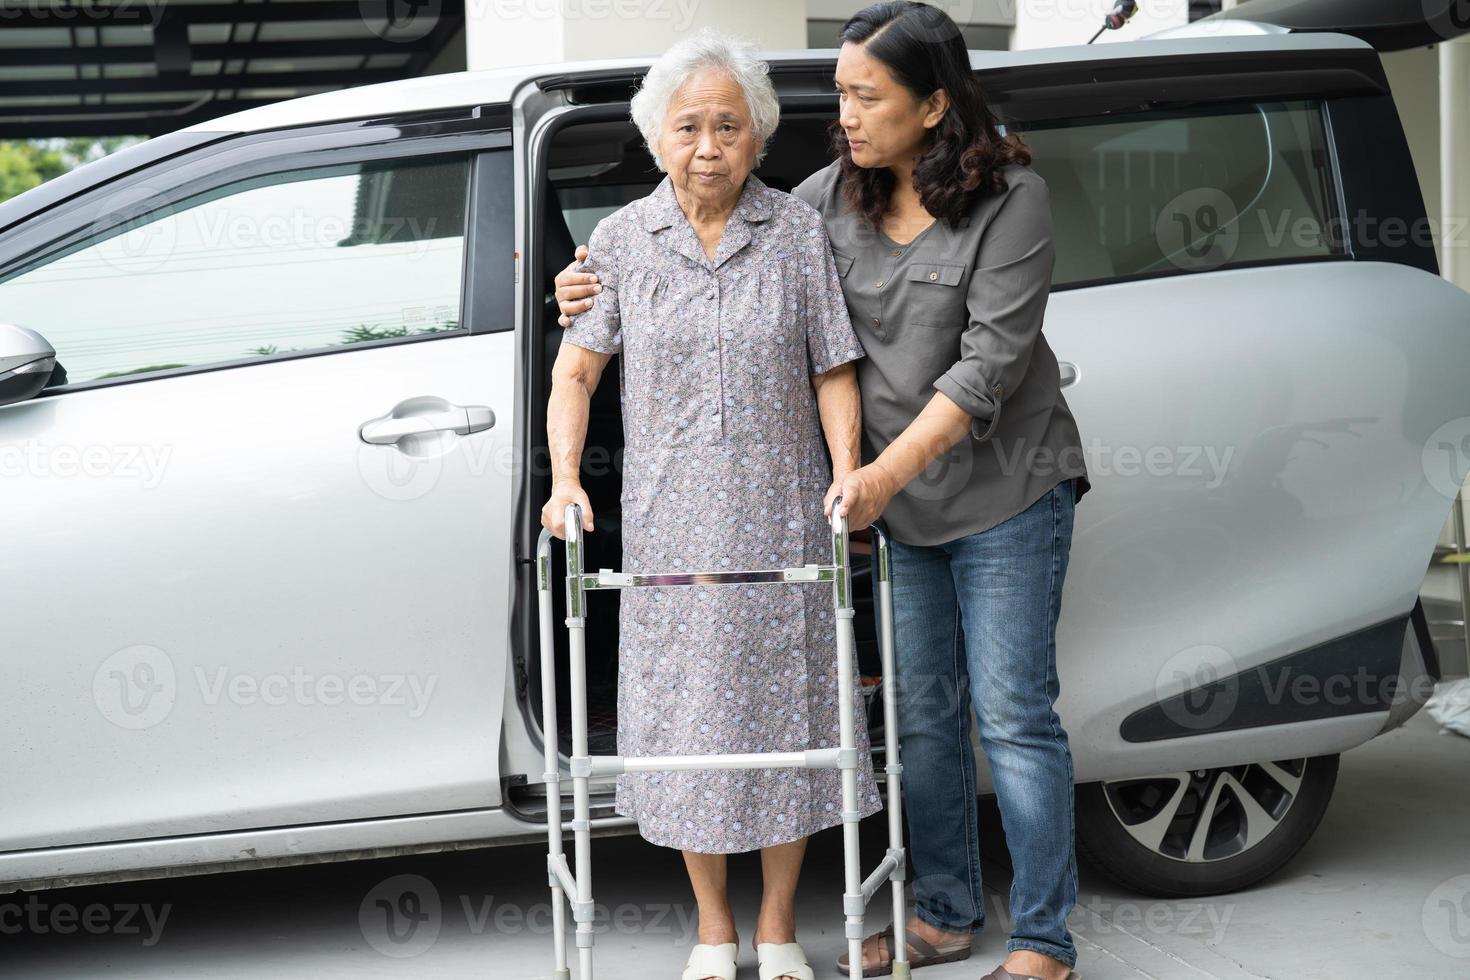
975	621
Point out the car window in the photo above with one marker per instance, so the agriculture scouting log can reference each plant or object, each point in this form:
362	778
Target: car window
583	207
296	261
1187	191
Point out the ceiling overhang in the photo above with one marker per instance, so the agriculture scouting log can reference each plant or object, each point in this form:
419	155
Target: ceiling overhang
146	67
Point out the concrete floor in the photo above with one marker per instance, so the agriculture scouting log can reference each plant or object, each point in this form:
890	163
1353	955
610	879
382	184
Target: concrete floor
1383	889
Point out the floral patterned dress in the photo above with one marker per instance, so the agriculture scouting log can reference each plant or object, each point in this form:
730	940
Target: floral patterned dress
724	468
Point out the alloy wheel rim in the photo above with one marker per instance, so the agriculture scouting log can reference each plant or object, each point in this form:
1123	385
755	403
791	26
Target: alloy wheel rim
1204	815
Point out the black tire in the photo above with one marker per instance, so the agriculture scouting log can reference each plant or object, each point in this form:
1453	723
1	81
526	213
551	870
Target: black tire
1114	818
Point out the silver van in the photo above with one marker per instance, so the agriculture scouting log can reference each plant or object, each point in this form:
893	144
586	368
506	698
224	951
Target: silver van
273	455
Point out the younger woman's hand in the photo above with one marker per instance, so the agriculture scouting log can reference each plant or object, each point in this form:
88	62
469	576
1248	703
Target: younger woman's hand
857	538
866	492
575	291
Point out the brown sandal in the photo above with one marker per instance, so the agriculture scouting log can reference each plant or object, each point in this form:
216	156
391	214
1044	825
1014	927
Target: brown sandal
1001	973
921	953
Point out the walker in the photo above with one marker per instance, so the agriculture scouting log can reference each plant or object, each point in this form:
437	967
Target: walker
857	890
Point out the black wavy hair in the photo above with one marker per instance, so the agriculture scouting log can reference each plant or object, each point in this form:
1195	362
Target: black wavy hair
924	50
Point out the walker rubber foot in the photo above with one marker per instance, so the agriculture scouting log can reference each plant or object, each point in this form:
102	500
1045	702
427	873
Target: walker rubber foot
901	970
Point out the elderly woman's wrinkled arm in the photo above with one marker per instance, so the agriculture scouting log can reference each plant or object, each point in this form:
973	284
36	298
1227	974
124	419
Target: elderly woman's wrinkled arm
574	378
840	408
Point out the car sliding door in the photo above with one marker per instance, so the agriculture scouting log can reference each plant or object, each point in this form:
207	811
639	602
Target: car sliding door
1262	411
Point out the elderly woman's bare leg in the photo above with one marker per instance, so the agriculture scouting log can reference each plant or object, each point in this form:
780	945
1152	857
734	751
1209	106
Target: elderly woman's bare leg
707	875
780	869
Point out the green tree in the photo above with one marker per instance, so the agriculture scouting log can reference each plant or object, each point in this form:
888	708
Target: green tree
27	163
22	167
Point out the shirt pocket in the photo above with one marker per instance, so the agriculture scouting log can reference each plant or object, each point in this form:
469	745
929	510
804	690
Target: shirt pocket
642	294
762	323
641	288
933	295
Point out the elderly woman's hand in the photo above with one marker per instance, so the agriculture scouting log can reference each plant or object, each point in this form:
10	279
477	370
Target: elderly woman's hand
574	290
554	514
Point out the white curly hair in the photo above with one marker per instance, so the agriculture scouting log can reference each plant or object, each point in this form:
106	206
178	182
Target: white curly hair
707	49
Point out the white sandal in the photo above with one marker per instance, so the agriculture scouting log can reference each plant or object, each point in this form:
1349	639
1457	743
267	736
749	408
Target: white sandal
783	960
711	961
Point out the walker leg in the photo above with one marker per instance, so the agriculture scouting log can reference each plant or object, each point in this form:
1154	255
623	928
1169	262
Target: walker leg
581	824
883	578
853	901
551	775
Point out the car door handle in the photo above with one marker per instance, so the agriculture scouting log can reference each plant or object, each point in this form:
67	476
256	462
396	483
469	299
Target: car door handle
386	430
1068	372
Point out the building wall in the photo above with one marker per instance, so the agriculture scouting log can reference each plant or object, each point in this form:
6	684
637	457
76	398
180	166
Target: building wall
986	24
1055	23
524	32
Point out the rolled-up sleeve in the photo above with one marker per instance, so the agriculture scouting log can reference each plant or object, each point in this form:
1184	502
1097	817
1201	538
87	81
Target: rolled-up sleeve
600	328
1006	303
830	339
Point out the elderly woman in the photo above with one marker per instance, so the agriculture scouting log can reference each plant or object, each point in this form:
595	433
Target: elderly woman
723	297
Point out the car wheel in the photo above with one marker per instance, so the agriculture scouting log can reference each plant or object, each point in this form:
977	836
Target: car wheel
1204	831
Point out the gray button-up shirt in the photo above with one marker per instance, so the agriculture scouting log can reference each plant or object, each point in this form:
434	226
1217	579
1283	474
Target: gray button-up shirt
959	310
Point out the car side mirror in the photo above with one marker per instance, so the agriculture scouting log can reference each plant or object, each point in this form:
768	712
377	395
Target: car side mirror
26	362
